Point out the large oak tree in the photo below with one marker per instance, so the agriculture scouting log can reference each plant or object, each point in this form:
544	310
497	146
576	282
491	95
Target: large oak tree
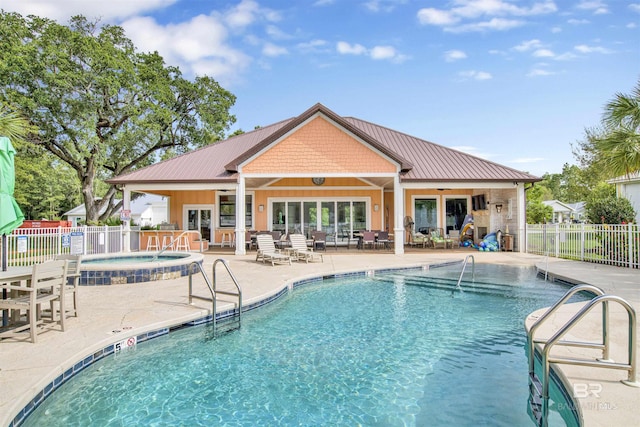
101	106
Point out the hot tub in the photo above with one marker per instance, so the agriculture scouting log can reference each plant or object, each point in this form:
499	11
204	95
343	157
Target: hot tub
121	268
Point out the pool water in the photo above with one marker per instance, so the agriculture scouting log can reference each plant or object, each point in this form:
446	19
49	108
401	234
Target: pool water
399	349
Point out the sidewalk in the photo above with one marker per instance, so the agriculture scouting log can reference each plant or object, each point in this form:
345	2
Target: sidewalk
110	314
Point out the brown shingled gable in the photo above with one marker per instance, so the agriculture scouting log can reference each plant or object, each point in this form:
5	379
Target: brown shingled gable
317	108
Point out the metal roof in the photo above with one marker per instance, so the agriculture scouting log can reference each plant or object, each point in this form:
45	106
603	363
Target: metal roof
419	160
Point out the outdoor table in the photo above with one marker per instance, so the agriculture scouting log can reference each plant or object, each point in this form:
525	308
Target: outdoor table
16	274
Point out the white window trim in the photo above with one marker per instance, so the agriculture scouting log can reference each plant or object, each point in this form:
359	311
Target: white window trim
319	200
233	193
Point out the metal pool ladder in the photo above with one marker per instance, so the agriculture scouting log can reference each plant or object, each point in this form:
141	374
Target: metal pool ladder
464	266
235	313
539	388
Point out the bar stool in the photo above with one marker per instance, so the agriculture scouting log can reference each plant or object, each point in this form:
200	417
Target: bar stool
167	242
182	244
152	243
227	237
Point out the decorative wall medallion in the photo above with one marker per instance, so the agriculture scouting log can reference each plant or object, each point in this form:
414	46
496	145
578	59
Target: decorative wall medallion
318	181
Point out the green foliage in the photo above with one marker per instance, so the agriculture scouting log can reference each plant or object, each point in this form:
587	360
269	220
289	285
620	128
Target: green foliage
611	210
100	106
572	185
537	212
614	146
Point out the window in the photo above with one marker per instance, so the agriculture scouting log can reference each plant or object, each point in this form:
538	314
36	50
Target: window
227	211
305	216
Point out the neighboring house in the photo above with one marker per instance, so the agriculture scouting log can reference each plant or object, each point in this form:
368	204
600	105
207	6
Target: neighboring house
565	212
579	211
148	209
628	186
338	174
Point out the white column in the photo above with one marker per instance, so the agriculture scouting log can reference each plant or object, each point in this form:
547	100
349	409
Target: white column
521	206
126	235
398	214
240	215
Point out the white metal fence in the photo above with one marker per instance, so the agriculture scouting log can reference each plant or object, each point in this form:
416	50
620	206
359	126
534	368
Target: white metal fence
28	246
611	244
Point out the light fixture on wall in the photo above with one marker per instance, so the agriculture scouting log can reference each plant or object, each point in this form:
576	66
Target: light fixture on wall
376	207
260	208
499	207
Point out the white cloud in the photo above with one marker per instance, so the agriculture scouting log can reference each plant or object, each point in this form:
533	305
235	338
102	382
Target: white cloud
596	6
383	52
276	33
271	50
246	13
475	75
376	53
543	53
583	48
635	7
382	5
486	15
578	21
537	72
528	45
106	11
430	16
345	48
454	55
198	46
495	24
313	46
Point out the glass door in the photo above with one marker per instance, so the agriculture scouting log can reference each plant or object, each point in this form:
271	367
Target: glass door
310	211
455	210
328	217
294	218
278	222
199	218
426	215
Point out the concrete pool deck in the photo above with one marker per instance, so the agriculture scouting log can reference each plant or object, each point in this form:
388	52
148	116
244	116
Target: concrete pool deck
110	314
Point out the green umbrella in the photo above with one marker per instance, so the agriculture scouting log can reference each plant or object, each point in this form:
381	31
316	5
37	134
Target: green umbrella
11	216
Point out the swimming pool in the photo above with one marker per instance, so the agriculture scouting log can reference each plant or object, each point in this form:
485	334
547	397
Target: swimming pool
394	349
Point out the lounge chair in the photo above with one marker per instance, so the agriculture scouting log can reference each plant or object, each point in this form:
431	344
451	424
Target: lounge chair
300	251
439	239
267	251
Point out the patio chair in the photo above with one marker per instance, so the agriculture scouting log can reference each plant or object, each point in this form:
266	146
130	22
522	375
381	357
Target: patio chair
267	251
47	285
368	238
419	239
319	239
73	279
300	251
383	240
439	239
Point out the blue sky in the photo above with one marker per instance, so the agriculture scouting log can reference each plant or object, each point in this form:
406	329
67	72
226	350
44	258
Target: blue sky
513	81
